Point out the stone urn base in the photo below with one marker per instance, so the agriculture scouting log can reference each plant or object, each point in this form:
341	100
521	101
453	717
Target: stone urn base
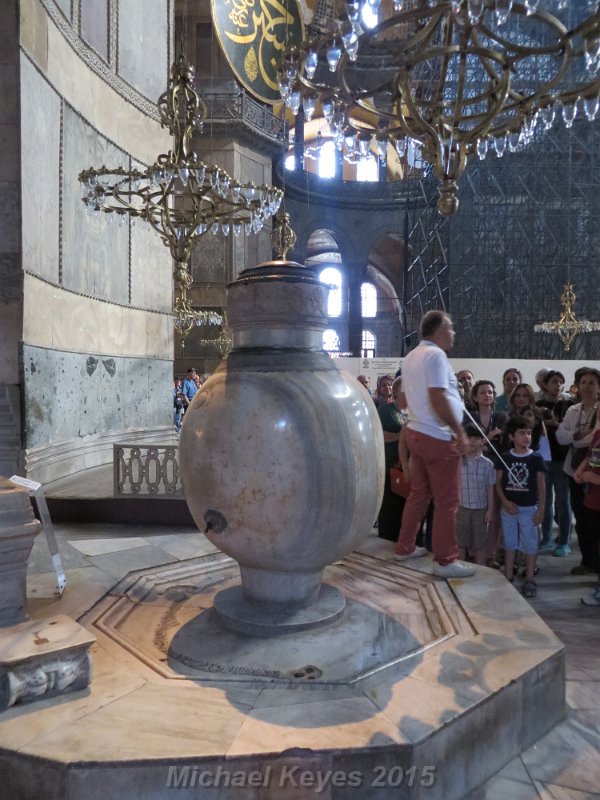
238	614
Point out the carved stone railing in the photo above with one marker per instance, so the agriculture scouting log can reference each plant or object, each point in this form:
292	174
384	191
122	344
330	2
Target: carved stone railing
226	102
141	470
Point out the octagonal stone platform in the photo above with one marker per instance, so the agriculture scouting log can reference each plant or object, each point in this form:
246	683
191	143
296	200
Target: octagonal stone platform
167	619
423	689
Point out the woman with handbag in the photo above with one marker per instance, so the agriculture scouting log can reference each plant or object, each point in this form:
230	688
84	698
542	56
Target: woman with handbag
393	420
576	430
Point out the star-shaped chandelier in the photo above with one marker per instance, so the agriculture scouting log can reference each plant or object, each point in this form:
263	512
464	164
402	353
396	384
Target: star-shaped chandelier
568	326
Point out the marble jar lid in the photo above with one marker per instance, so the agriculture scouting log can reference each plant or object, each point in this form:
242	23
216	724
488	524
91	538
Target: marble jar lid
277	295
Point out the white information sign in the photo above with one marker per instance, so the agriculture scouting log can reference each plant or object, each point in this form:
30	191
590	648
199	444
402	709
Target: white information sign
36	490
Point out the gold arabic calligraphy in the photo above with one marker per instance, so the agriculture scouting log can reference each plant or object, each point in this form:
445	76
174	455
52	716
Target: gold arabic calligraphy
265	20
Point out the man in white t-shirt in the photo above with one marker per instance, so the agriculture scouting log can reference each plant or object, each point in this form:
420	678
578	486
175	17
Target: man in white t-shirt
436	440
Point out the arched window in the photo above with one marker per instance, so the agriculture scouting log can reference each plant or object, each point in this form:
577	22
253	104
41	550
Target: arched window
327	161
368	299
331	341
333	277
368	344
367	169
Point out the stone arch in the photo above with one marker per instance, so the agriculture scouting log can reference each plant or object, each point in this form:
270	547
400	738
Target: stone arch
322	248
386	266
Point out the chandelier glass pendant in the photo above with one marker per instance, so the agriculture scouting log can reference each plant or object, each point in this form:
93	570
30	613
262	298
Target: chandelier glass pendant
222	342
568	326
180	196
456	78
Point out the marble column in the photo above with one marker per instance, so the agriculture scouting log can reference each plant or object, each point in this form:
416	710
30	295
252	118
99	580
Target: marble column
356	276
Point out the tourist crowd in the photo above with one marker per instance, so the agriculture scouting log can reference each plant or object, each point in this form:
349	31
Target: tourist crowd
485	481
183	392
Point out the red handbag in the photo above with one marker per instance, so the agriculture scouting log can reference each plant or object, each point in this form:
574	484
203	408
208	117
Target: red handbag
398	482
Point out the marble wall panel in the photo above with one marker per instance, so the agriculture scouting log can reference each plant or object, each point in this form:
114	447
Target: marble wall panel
254	169
40	162
95	255
93	97
73	395
65	7
151	268
61	320
143	45
159	335
39	309
211	261
94	25
34	30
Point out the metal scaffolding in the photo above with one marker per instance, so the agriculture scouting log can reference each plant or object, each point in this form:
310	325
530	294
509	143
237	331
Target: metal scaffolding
527	225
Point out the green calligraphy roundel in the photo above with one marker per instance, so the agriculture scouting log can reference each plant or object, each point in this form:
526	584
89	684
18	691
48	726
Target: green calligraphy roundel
253	35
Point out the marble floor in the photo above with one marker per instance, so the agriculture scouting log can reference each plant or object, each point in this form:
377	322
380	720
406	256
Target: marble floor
563	765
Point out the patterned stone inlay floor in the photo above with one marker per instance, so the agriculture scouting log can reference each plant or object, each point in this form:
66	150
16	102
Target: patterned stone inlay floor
392	614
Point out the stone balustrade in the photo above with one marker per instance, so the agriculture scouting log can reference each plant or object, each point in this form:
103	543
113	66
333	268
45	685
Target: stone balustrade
151	470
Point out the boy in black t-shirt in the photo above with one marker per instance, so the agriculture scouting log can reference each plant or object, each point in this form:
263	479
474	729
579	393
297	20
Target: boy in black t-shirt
521	486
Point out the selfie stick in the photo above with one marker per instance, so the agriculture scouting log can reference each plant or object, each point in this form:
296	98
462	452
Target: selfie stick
480	429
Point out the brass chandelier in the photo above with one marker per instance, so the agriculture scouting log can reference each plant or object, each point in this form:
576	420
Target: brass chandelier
180	196
568	326
454	78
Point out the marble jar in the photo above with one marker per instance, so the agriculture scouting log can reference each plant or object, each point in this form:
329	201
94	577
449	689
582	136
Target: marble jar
281	453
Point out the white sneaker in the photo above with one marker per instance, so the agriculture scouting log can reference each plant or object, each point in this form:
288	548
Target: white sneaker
456	569
592	599
418	552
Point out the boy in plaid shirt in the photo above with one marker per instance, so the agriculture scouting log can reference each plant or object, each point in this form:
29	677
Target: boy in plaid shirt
477	479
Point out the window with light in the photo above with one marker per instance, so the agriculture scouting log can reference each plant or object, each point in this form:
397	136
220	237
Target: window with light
368	344
327	161
367	169
331	341
333	277
368	298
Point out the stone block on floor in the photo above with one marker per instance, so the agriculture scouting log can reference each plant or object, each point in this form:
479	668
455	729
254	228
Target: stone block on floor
43	658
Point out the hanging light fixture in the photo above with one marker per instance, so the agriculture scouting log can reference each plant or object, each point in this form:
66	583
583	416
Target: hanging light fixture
180	196
221	343
568	326
456	77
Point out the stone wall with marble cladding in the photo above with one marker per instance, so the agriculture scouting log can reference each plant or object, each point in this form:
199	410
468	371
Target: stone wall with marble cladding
67	393
65	6
40	173
94	25
222	259
97	334
143	64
